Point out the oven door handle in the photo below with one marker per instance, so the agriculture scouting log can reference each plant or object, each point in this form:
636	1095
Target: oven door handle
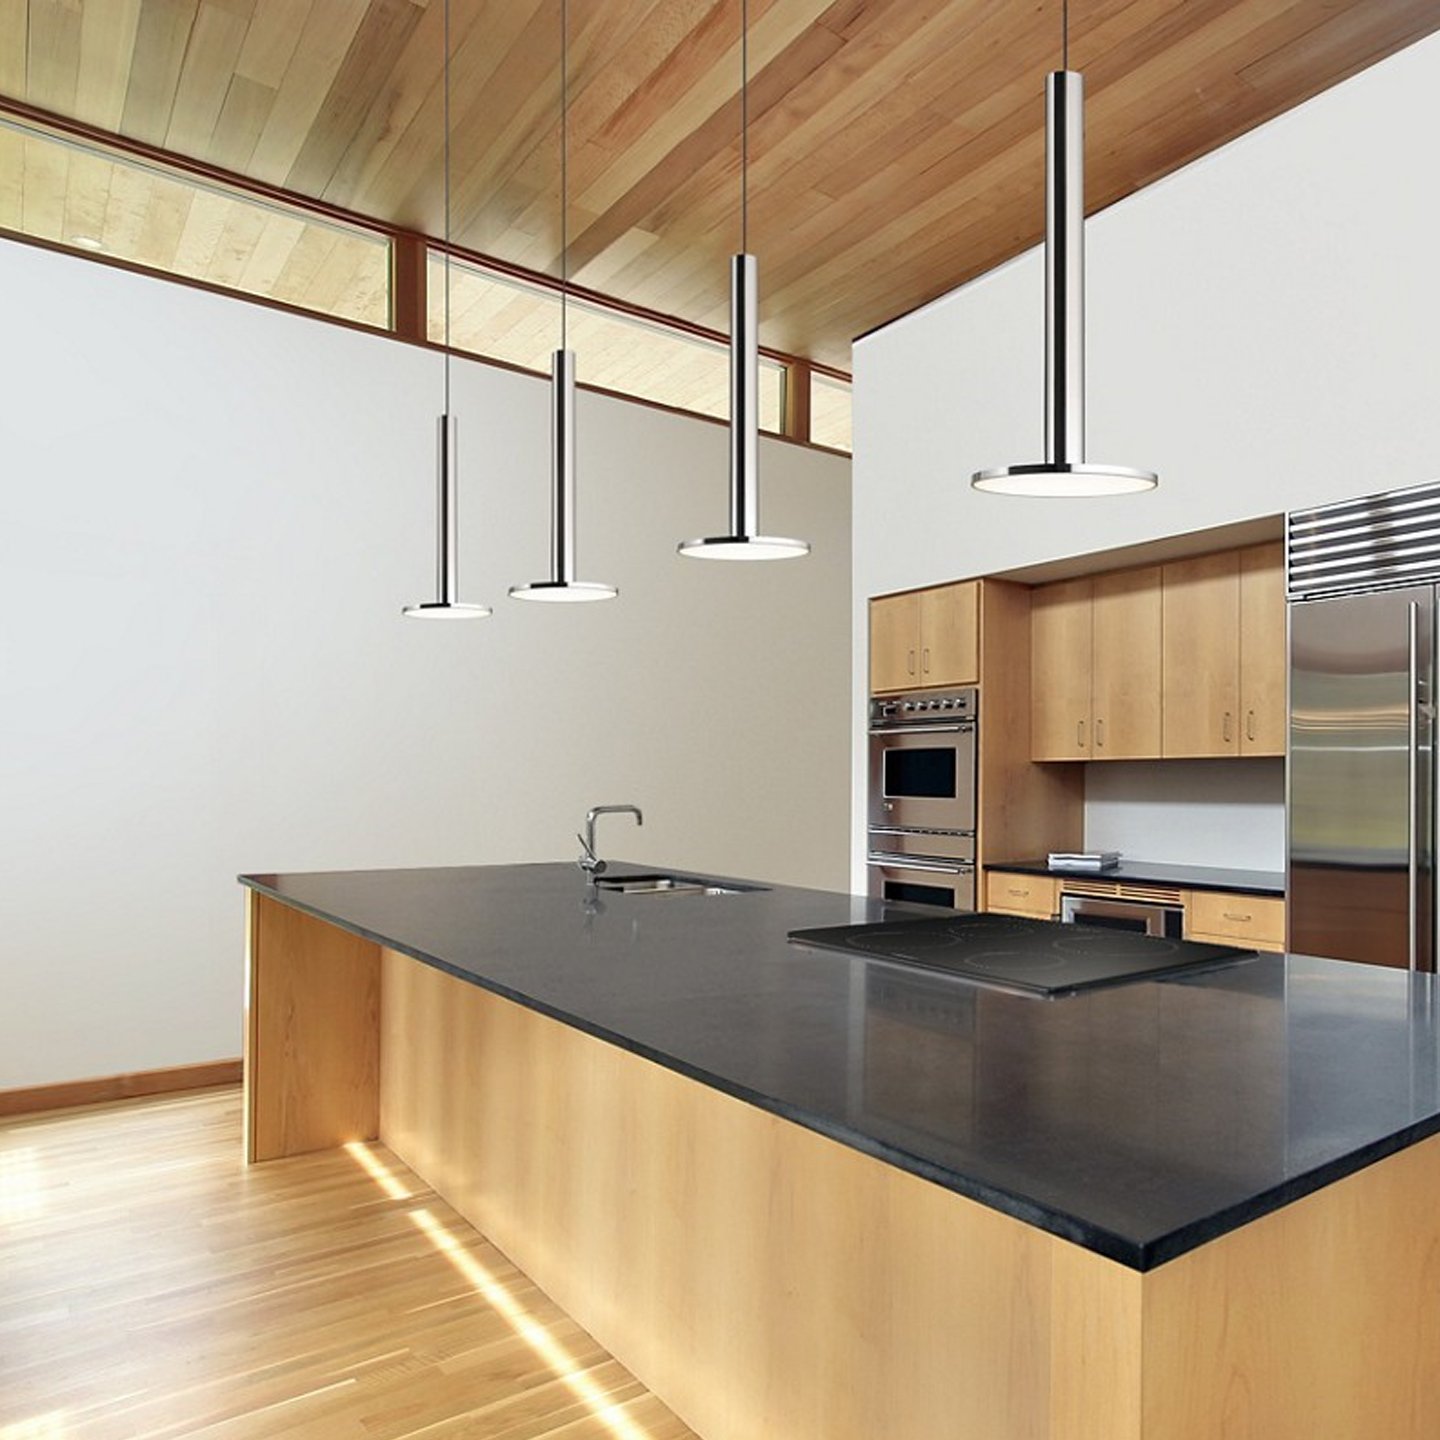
951	728
905	862
916	830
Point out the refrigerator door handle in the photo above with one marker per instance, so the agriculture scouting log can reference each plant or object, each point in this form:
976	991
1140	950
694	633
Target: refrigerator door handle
1413	855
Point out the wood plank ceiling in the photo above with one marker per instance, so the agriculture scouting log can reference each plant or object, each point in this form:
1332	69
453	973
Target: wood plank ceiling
896	145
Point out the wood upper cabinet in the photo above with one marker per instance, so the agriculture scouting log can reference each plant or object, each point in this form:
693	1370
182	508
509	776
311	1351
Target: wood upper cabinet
1125	671
1095	668
925	638
894	643
950	635
1224	654
1263	718
1202	655
1060	664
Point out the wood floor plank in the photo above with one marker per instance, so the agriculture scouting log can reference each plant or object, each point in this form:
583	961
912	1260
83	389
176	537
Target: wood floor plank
153	1287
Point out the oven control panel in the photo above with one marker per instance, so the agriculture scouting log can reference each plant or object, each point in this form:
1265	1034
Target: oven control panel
925	709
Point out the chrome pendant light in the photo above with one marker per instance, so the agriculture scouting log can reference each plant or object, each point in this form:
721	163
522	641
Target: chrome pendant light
1064	471
447	605
742	543
562	587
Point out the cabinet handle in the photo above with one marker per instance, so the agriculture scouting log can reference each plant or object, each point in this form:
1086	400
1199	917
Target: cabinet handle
1021	893
1231	915
925	659
1079	734
910	662
1225	728
1099	734
1249	724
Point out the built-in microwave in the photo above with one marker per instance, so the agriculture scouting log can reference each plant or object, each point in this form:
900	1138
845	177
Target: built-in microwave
1139	916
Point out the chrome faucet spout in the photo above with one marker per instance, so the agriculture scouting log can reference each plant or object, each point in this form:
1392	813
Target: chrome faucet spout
589	861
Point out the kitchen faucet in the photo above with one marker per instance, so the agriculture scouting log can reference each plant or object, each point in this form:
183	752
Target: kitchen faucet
590	862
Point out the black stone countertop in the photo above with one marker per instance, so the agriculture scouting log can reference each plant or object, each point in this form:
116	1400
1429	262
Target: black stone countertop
1138	1121
1144	872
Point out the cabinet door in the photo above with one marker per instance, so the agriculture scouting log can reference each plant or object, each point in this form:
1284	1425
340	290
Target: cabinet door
1262	650
950	634
1201	655
1125	685
1009	894
894	643
1060	656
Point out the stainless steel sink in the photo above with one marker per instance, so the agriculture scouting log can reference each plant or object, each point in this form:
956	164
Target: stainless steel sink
665	884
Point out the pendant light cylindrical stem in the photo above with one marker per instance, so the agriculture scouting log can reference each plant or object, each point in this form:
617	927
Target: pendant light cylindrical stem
1064	472
1065	268
447	511
744	394
562	465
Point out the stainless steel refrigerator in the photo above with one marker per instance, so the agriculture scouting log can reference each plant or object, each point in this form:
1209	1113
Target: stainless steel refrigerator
1362	581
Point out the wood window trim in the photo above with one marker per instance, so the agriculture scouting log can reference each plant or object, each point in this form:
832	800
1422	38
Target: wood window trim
409	252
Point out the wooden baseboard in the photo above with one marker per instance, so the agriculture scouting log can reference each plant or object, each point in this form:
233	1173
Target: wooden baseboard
71	1093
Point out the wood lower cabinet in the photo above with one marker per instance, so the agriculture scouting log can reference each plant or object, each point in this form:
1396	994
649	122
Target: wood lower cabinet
1009	893
925	638
1228	919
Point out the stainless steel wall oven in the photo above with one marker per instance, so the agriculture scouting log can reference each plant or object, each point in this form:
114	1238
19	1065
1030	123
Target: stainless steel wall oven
922	797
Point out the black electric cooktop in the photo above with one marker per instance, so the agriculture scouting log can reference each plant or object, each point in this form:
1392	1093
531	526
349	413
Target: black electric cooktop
1039	957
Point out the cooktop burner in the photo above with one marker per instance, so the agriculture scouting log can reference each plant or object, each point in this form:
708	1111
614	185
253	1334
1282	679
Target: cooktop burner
1037	956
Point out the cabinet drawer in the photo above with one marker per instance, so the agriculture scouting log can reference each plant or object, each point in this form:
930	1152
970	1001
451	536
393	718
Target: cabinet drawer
1256	919
1020	894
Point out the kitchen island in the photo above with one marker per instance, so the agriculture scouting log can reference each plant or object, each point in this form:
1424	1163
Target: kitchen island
799	1194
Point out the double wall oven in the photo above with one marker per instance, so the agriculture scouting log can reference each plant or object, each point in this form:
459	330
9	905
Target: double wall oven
922	797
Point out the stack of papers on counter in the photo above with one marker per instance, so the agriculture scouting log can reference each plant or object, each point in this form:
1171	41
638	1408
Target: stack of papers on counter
1084	859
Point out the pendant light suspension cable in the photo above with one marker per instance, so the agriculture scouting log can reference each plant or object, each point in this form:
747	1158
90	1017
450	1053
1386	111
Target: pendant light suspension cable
1064	470
562	586
742	543
446	605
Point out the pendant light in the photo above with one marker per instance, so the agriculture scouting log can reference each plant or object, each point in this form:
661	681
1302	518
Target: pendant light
446	606
562	586
1064	471
742	543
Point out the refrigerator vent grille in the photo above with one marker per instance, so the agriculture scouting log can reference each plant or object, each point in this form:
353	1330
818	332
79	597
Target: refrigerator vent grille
1374	543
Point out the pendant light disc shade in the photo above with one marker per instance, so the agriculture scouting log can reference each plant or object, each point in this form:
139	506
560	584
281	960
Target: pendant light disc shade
563	592
744	547
440	610
1058	481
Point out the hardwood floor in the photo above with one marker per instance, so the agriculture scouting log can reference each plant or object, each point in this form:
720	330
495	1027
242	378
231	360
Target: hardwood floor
152	1286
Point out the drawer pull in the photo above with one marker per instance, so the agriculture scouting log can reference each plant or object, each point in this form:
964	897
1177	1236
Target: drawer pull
1231	915
1021	893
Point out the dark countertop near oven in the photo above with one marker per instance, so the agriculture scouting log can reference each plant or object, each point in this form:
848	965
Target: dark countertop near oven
1138	1121
1144	872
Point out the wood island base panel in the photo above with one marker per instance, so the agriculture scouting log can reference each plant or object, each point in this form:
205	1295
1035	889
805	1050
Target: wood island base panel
767	1281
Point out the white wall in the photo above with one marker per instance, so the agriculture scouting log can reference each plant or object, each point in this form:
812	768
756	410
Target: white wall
1261	332
212	515
1189	812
